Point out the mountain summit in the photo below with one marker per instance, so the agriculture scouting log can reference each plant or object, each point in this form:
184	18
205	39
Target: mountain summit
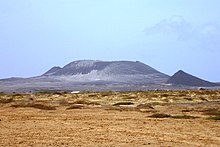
183	78
104	67
129	72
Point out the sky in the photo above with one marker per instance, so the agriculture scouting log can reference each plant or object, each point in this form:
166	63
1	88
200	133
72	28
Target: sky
167	35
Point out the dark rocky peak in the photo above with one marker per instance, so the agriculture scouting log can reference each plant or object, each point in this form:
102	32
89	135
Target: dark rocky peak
183	78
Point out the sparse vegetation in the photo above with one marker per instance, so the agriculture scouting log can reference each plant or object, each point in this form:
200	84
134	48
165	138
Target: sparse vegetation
187	102
214	117
212	111
85	102
107	93
63	102
144	106
4	101
33	105
160	115
75	107
123	103
81	101
187	110
184	117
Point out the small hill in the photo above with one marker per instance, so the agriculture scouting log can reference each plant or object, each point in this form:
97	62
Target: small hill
183	78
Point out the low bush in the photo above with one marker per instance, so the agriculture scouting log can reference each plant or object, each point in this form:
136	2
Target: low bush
4	101
74	107
160	115
145	106
123	103
211	111
38	106
184	117
85	102
214	117
63	102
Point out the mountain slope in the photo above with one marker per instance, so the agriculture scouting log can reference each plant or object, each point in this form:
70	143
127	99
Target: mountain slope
183	78
52	71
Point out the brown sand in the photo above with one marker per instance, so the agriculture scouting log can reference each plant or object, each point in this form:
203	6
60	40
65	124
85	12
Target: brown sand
95	126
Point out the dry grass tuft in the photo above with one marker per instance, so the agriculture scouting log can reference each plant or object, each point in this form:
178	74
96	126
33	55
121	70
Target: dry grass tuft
187	110
81	101
214	117
85	102
184	117
107	93
75	107
64	102
123	103
211	111
4	101
160	115
120	108
33	105
145	106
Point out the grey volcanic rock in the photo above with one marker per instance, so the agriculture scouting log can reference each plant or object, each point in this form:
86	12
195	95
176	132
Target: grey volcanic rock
183	78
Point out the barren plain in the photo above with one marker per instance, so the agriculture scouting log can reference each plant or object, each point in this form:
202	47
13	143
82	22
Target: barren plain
152	118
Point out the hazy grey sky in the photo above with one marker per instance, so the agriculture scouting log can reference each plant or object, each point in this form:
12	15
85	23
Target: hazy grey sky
166	34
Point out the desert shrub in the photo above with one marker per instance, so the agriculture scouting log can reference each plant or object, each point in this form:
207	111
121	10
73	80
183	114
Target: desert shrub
211	111
184	117
164	95
123	103
120	108
214	117
160	115
43	107
81	101
92	95
106	93
145	106
63	102
38	106
74	107
94	103
16	95
187	110
189	98
181	95
204	99
4	101
128	97
85	102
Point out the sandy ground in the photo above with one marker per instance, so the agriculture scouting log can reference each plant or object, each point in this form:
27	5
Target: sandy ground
94	126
